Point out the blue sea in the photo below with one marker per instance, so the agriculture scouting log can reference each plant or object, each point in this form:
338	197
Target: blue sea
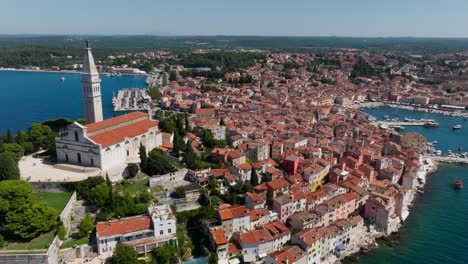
32	97
436	230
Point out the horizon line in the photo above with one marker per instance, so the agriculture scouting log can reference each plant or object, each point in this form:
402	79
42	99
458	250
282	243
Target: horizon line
217	35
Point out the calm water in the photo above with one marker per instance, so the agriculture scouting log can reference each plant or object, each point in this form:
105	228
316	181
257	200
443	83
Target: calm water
436	230
28	97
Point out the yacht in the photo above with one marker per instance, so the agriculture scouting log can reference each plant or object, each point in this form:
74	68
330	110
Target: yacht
62	78
456	127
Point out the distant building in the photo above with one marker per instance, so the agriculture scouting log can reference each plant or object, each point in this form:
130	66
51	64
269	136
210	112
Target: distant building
414	140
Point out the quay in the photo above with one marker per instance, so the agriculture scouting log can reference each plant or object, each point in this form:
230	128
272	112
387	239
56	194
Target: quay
393	124
451	160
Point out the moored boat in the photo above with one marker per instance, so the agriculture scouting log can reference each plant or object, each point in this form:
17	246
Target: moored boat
458	184
456	127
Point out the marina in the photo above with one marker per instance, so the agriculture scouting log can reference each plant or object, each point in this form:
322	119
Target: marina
131	99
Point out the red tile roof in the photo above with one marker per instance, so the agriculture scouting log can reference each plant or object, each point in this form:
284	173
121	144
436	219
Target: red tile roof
116	135
123	226
114	121
219	236
233	212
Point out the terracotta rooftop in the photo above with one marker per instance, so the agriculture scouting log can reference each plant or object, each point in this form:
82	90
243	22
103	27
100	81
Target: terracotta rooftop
115	121
123	226
118	134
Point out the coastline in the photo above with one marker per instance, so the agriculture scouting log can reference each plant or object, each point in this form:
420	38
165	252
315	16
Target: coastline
61	71
454	113
367	239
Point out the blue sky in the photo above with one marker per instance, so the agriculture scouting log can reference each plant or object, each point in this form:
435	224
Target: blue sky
374	18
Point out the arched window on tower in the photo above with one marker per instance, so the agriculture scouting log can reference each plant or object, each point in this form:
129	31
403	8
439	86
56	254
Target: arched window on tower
76	136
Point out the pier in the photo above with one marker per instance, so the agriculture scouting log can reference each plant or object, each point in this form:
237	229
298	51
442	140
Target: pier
451	160
393	124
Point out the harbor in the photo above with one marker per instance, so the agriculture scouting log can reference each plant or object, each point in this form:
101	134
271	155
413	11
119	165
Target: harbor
131	99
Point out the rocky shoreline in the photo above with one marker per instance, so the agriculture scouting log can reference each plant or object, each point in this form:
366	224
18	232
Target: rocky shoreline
367	239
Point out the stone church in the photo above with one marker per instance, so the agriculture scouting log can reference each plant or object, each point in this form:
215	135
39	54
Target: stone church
105	143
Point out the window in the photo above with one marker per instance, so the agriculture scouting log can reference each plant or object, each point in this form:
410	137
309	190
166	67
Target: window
169	231
76	136
92	162
78	156
161	232
66	157
128	153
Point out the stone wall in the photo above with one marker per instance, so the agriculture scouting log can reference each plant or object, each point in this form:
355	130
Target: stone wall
70	254
24	258
65	216
168	178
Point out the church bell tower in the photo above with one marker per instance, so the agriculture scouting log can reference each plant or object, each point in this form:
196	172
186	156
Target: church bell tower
91	85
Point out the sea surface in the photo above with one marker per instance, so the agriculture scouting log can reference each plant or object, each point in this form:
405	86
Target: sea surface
436	230
32	97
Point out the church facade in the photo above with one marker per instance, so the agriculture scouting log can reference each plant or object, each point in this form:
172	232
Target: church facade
105	143
108	143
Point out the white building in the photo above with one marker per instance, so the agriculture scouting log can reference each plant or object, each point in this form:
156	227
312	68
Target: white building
142	231
109	143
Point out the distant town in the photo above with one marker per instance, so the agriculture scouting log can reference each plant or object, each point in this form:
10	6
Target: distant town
229	156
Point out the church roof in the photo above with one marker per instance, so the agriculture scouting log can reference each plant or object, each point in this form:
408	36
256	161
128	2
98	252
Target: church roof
115	121
115	130
119	134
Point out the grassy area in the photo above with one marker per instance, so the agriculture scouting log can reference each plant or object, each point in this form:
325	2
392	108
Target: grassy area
55	200
72	243
41	242
138	183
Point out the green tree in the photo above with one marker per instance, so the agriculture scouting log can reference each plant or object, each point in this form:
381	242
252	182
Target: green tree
124	254
28	147
21	137
159	164
41	136
179	192
13	193
361	69
254	178
2	241
99	195
132	169
143	158
176	145
61	232
14	148
166	254
213	258
155	93
86	226
31	219
9	137
207	139
188	128
190	156
8	167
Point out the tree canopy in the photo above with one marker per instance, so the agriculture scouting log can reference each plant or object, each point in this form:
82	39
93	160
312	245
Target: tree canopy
8	167
124	254
159	164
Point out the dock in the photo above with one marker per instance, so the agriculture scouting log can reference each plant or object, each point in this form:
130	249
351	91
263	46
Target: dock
451	160
393	124
131	99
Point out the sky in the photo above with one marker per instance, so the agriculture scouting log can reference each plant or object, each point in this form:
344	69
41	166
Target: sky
357	18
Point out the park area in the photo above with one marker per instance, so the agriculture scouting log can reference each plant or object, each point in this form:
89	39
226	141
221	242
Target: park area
56	200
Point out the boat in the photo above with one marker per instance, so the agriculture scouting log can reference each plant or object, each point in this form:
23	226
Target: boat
438	152
430	124
456	127
458	184
62	78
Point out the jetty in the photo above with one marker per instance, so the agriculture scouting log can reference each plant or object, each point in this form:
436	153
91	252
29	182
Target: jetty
451	160
393	124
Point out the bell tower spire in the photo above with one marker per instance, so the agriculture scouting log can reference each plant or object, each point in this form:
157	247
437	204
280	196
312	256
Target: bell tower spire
91	85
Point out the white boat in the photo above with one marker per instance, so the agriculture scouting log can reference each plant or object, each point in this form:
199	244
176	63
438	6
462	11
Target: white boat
456	127
438	152
62	78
